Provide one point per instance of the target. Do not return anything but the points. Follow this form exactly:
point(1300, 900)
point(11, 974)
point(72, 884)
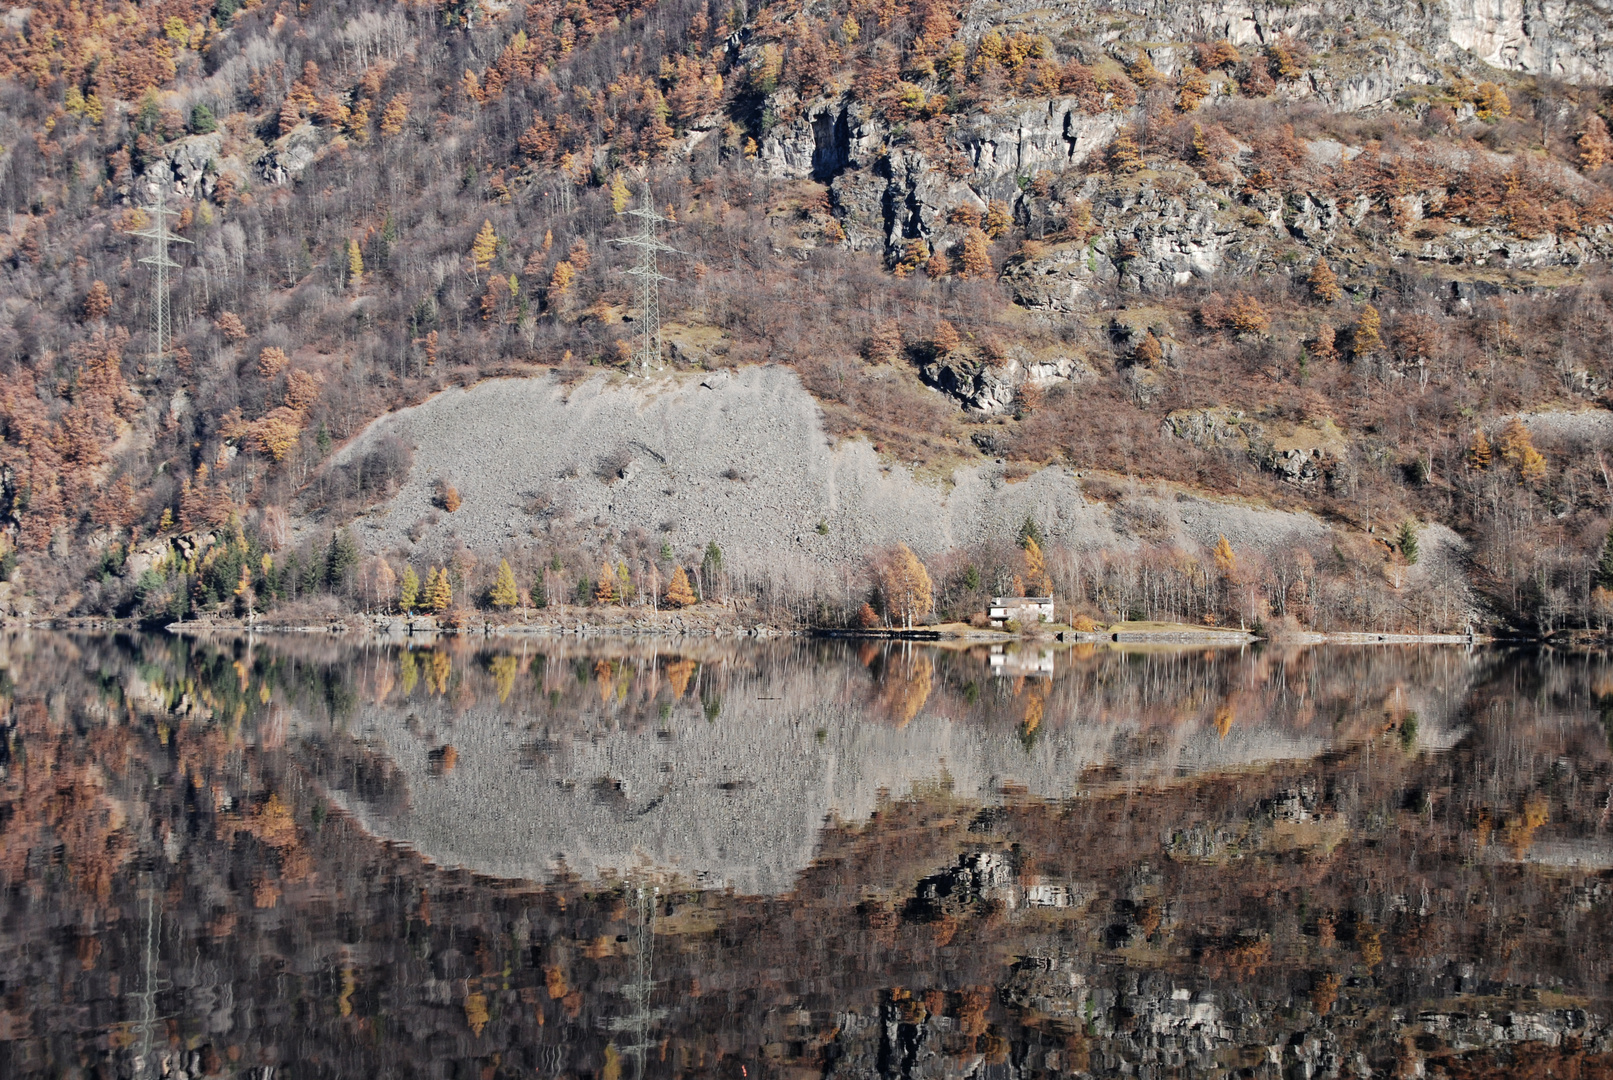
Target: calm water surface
point(605, 861)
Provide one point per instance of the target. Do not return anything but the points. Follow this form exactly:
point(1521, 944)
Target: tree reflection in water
point(302, 858)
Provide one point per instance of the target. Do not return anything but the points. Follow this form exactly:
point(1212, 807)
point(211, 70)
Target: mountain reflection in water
point(301, 858)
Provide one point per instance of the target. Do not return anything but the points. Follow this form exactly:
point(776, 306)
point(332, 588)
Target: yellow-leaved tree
point(505, 594)
point(905, 584)
point(1518, 449)
point(484, 247)
point(619, 194)
point(440, 591)
point(1036, 568)
point(409, 591)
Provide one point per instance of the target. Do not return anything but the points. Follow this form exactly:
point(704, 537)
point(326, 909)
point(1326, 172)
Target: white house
point(1026, 610)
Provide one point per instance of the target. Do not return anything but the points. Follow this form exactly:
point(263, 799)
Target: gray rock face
point(884, 196)
point(991, 389)
point(290, 155)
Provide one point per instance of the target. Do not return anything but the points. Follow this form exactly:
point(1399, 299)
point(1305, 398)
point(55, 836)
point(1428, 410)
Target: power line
point(157, 232)
point(648, 241)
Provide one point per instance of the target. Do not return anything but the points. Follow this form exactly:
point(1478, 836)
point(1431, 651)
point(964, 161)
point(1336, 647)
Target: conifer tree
point(680, 593)
point(1030, 532)
point(1368, 332)
point(505, 594)
point(409, 591)
point(484, 247)
point(976, 260)
point(1225, 560)
point(1324, 283)
point(1478, 451)
point(1148, 352)
point(1408, 542)
point(999, 219)
point(1036, 568)
point(355, 264)
point(441, 591)
point(605, 588)
point(540, 592)
point(619, 194)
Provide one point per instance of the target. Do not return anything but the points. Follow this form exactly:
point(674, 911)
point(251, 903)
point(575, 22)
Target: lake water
point(606, 860)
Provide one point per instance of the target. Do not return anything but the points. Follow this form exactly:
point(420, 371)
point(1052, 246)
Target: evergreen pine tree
point(1030, 531)
point(1408, 543)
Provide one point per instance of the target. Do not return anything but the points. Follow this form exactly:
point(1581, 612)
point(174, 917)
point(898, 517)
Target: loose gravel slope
point(740, 458)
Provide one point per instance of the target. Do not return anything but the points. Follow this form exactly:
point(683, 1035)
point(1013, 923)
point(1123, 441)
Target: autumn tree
point(679, 593)
point(231, 328)
point(409, 590)
point(1595, 146)
point(505, 593)
point(1478, 451)
point(1036, 569)
point(605, 588)
point(999, 219)
point(97, 302)
point(439, 591)
point(1324, 283)
point(1324, 345)
point(272, 361)
point(884, 344)
point(905, 585)
point(1225, 561)
point(1368, 337)
point(484, 247)
point(1148, 352)
point(1518, 450)
point(1247, 316)
point(976, 260)
point(355, 264)
point(620, 195)
point(395, 115)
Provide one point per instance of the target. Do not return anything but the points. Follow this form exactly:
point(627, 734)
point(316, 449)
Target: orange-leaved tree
point(680, 593)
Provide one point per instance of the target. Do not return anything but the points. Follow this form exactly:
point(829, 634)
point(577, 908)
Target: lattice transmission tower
point(649, 242)
point(640, 1016)
point(162, 338)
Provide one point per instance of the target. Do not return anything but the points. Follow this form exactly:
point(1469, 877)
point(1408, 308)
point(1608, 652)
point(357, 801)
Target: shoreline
point(388, 629)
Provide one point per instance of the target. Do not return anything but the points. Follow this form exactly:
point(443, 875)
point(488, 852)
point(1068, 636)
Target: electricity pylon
point(157, 232)
point(640, 1016)
point(648, 241)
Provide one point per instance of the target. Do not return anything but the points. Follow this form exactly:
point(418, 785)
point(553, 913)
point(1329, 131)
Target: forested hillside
point(1339, 257)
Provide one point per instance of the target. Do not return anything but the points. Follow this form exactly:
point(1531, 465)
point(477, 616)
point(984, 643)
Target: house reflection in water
point(1021, 662)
